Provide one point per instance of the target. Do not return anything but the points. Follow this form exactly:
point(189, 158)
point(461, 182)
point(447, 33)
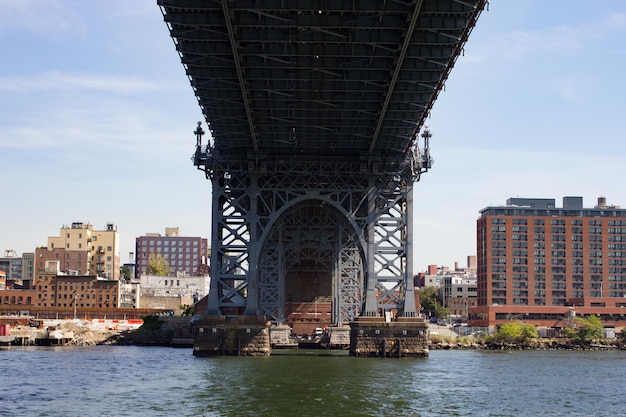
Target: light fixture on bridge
point(227, 177)
point(397, 184)
point(199, 132)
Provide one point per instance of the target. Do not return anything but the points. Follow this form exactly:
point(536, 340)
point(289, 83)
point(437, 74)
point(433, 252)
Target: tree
point(516, 332)
point(430, 304)
point(186, 309)
point(586, 329)
point(125, 272)
point(158, 265)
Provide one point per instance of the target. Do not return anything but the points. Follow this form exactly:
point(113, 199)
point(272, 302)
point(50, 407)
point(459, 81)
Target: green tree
point(441, 311)
point(586, 329)
point(186, 309)
point(529, 332)
point(158, 265)
point(125, 272)
point(516, 332)
point(430, 304)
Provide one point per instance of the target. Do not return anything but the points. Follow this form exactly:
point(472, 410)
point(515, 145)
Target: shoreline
point(537, 344)
point(84, 333)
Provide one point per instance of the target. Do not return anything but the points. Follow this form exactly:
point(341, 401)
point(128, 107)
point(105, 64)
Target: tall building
point(186, 256)
point(82, 249)
point(542, 264)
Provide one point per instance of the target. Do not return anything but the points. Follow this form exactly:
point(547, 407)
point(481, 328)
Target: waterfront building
point(186, 256)
point(130, 294)
point(83, 249)
point(55, 289)
point(20, 299)
point(159, 292)
point(544, 264)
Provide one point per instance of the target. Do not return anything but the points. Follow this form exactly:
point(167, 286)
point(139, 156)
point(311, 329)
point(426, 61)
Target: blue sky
point(97, 120)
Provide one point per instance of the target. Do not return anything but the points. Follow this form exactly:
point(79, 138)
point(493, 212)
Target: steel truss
point(351, 218)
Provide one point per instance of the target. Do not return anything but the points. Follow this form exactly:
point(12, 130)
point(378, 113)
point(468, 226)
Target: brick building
point(69, 260)
point(540, 263)
point(54, 289)
point(186, 256)
point(82, 248)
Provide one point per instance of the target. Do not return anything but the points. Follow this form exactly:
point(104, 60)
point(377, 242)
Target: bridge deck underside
point(341, 78)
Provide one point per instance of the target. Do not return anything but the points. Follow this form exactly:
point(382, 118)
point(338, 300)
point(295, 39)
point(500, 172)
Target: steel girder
point(324, 78)
point(356, 224)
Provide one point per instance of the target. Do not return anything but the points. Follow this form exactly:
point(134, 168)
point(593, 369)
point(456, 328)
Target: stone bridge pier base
point(406, 337)
point(231, 336)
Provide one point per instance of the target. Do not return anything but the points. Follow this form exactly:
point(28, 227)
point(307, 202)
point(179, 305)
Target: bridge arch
point(311, 254)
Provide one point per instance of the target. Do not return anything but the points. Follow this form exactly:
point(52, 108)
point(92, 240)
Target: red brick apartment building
point(187, 256)
point(540, 264)
point(80, 291)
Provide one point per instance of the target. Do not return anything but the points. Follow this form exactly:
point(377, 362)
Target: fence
point(80, 313)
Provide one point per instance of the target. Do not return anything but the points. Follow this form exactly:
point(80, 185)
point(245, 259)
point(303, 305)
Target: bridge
point(316, 111)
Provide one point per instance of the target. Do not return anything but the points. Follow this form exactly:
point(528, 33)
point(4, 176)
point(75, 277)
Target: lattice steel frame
point(251, 201)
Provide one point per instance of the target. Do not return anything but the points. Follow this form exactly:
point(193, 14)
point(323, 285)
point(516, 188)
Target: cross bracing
point(322, 78)
point(314, 109)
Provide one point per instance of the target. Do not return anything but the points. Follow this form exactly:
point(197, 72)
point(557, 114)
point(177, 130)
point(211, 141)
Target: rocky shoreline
point(537, 344)
point(176, 332)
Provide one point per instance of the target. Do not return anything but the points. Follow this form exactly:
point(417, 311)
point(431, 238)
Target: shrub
point(585, 329)
point(516, 332)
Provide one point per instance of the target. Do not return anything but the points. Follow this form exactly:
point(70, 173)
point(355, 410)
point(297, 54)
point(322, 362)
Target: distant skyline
point(97, 119)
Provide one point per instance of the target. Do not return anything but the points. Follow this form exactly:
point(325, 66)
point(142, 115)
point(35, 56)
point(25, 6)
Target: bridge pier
point(407, 337)
point(218, 335)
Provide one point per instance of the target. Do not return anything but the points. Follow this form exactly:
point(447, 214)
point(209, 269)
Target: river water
point(156, 381)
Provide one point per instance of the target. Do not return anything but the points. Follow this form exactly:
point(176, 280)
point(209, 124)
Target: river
point(157, 381)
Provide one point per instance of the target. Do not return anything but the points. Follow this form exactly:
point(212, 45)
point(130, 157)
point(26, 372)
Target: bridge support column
point(231, 336)
point(407, 337)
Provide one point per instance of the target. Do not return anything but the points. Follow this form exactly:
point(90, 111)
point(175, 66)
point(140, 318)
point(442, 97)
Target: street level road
point(442, 330)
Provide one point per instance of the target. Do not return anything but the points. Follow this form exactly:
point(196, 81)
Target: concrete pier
point(231, 336)
point(406, 337)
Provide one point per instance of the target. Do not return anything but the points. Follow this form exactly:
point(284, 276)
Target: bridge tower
point(278, 219)
point(315, 111)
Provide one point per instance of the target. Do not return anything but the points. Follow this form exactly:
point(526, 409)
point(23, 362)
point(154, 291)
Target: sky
point(97, 119)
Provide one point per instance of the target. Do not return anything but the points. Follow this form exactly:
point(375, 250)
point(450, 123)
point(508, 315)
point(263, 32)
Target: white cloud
point(61, 81)
point(549, 41)
point(616, 20)
point(39, 16)
point(574, 87)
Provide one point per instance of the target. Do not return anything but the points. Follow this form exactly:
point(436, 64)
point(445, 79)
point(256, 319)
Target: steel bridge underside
point(315, 110)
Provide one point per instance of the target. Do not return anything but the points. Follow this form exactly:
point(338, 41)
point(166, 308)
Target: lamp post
point(76, 296)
